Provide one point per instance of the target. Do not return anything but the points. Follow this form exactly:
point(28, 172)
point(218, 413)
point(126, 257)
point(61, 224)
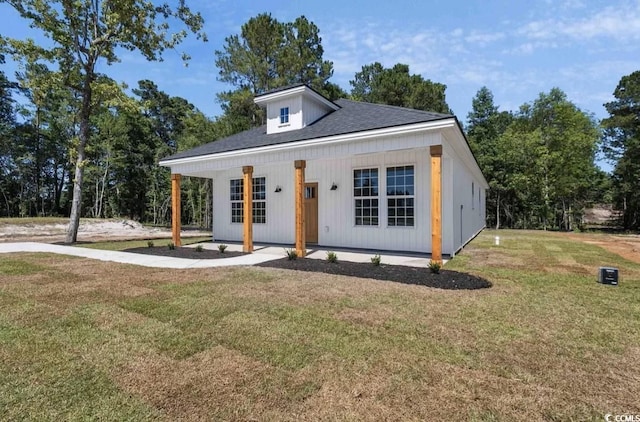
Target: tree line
point(74, 142)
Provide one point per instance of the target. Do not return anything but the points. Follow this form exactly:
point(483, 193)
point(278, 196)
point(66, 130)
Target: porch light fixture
point(334, 186)
point(278, 189)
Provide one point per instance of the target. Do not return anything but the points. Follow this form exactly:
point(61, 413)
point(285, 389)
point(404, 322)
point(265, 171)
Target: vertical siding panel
point(331, 163)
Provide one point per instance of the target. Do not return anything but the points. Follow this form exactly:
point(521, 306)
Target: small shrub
point(150, 244)
point(222, 247)
point(171, 246)
point(435, 266)
point(292, 255)
point(376, 259)
point(332, 257)
point(199, 248)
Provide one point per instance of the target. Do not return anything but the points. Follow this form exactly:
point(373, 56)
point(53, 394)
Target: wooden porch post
point(436, 202)
point(301, 248)
point(175, 209)
point(247, 236)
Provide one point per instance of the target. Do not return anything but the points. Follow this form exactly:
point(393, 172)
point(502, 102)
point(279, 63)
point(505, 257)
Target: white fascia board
point(267, 98)
point(357, 136)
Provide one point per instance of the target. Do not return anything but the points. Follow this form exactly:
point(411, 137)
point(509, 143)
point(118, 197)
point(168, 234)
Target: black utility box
point(608, 275)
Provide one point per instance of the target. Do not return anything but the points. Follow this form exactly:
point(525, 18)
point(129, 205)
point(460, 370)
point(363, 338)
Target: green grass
point(128, 244)
point(81, 339)
point(10, 266)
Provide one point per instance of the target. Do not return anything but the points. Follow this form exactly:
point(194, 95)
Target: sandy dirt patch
point(625, 245)
point(90, 230)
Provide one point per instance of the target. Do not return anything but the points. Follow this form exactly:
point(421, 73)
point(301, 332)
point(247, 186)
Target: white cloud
point(621, 23)
point(509, 56)
point(483, 39)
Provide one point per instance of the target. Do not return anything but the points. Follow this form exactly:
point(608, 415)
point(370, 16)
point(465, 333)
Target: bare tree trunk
point(102, 188)
point(498, 212)
point(6, 201)
point(85, 113)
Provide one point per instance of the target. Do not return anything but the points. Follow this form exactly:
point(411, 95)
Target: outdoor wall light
point(278, 189)
point(334, 186)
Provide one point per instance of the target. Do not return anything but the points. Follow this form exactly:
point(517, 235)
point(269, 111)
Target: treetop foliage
point(268, 54)
point(622, 146)
point(539, 162)
point(397, 86)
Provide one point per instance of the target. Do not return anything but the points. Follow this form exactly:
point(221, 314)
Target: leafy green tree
point(301, 59)
point(7, 112)
point(397, 86)
point(544, 163)
point(485, 125)
point(176, 125)
point(269, 54)
point(622, 146)
point(84, 35)
point(569, 138)
point(7, 122)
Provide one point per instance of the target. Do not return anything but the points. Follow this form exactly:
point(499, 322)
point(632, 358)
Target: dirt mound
point(54, 230)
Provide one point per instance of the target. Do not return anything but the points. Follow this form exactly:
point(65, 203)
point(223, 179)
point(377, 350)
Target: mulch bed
point(182, 252)
point(452, 280)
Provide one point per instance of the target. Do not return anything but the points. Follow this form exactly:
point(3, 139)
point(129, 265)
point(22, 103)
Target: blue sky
point(517, 49)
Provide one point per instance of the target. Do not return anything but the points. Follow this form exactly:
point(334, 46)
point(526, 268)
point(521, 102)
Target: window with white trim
point(365, 192)
point(400, 196)
point(259, 199)
point(237, 206)
point(284, 115)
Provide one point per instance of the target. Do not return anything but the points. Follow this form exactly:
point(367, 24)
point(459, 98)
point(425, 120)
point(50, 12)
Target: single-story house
point(340, 174)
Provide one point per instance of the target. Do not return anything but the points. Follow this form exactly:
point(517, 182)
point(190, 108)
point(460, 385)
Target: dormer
point(293, 107)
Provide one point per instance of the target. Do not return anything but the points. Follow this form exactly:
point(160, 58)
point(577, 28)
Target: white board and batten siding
point(467, 204)
point(336, 209)
point(302, 112)
point(463, 212)
point(325, 150)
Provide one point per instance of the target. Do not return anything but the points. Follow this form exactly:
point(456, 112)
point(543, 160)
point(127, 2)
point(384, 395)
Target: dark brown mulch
point(183, 252)
point(397, 273)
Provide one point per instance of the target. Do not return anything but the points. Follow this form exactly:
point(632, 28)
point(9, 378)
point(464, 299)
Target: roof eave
point(302, 89)
point(347, 137)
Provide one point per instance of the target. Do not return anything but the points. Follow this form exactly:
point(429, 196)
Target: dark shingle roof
point(352, 117)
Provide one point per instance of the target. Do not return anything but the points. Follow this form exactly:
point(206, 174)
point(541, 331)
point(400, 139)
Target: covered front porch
point(289, 206)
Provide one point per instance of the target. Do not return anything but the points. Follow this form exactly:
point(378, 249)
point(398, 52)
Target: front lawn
point(82, 339)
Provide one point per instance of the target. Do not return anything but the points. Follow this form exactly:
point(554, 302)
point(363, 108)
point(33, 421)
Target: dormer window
point(293, 108)
point(284, 115)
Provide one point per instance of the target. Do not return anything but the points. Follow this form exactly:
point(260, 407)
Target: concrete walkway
point(261, 254)
point(313, 252)
point(136, 258)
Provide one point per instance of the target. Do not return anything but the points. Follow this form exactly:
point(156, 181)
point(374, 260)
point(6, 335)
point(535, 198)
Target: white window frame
point(359, 220)
point(284, 115)
point(398, 197)
point(259, 202)
point(236, 191)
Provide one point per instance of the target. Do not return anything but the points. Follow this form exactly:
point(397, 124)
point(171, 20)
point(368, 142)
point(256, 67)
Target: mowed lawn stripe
point(81, 339)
